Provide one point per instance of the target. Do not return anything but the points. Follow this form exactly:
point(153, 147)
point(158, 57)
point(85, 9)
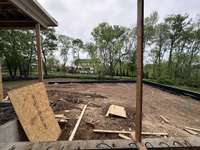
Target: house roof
point(24, 14)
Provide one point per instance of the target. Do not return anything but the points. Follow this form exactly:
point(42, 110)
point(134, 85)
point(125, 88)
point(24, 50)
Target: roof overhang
point(24, 14)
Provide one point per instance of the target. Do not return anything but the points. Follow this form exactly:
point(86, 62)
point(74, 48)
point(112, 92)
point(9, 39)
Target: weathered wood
point(77, 124)
point(116, 111)
point(139, 81)
point(39, 53)
point(34, 113)
point(1, 83)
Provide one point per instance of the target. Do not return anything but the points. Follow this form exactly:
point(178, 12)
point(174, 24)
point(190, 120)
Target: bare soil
point(181, 111)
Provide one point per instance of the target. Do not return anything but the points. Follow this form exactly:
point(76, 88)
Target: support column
point(139, 83)
point(39, 53)
point(1, 83)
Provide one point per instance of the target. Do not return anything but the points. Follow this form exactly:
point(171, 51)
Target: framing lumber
point(194, 129)
point(77, 124)
point(1, 84)
point(139, 82)
point(191, 131)
point(129, 132)
point(39, 53)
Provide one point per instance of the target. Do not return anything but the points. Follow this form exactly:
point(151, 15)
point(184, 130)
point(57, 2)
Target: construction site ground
point(181, 111)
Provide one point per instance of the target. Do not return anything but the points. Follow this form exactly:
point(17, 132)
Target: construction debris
point(34, 113)
point(77, 124)
point(164, 119)
point(116, 111)
point(191, 131)
point(124, 136)
point(129, 132)
point(194, 129)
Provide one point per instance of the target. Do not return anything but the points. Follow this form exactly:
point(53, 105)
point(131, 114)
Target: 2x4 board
point(34, 113)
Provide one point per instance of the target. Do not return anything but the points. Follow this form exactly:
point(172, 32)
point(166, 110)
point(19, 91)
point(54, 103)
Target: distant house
point(85, 66)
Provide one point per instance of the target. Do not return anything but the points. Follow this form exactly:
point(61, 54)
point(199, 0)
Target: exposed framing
point(25, 14)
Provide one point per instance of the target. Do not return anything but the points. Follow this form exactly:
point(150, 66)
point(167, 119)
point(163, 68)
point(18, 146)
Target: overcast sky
point(77, 18)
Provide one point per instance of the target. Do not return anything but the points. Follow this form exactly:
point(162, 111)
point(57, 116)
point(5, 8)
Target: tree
point(49, 46)
point(65, 44)
point(108, 42)
point(177, 24)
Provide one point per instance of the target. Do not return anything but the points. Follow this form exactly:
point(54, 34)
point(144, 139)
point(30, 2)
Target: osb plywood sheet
point(34, 113)
point(117, 111)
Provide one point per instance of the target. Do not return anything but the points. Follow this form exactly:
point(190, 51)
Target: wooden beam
point(17, 24)
point(39, 53)
point(77, 124)
point(1, 83)
point(139, 82)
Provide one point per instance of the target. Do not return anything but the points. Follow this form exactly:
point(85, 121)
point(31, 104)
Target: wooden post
point(1, 83)
point(39, 53)
point(139, 83)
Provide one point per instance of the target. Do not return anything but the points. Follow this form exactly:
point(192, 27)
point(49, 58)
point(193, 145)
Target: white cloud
point(77, 18)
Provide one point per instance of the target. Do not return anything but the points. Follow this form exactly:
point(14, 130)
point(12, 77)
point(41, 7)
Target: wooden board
point(34, 113)
point(129, 132)
point(117, 111)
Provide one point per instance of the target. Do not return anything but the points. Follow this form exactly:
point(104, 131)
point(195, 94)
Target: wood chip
point(116, 111)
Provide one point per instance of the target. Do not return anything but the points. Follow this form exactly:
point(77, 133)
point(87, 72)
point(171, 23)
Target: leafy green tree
point(49, 46)
point(65, 44)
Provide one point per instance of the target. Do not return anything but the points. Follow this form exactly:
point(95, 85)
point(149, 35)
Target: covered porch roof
point(24, 14)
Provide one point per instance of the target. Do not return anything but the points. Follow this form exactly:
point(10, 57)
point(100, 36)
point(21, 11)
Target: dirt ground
point(181, 111)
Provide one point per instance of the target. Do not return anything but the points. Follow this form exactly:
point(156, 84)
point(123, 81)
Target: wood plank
point(116, 111)
point(77, 124)
point(194, 129)
point(124, 136)
point(191, 131)
point(34, 113)
point(129, 132)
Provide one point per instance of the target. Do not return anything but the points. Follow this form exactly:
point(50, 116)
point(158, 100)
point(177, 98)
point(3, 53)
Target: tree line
point(172, 50)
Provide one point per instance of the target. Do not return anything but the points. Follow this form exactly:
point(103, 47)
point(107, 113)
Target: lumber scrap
point(194, 129)
point(164, 119)
point(129, 132)
point(124, 136)
point(116, 111)
point(191, 131)
point(34, 113)
point(77, 124)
